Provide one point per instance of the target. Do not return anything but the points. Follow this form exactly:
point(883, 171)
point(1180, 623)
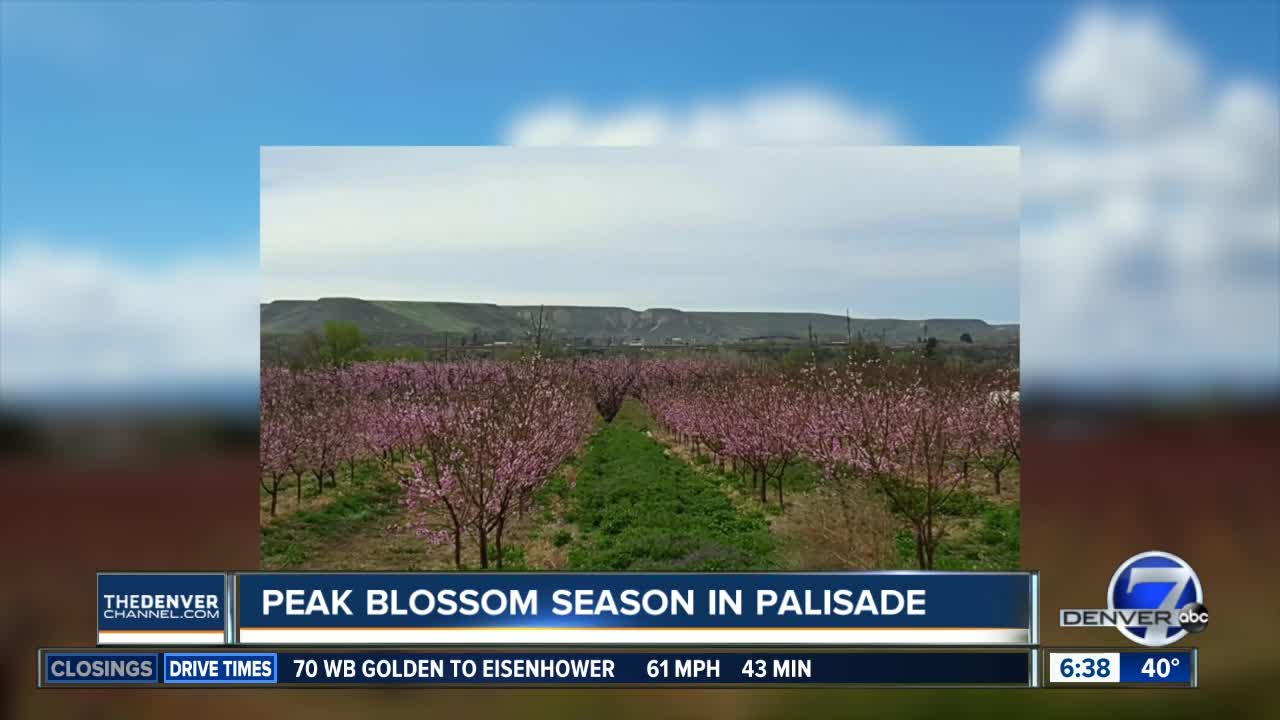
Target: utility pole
point(537, 341)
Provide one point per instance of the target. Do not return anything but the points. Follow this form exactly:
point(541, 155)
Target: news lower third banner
point(993, 667)
point(491, 609)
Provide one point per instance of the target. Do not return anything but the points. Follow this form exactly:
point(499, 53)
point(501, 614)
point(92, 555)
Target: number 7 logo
point(1155, 569)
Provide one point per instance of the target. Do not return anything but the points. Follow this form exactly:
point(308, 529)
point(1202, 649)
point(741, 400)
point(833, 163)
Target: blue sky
point(136, 127)
point(130, 135)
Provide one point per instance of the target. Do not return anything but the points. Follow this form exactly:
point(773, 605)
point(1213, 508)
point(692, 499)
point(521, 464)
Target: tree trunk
point(782, 472)
point(484, 548)
point(498, 540)
point(457, 547)
point(844, 513)
point(928, 541)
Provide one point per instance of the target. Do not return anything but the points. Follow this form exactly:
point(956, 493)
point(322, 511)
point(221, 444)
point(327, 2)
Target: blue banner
point(1161, 667)
point(642, 668)
point(672, 608)
point(220, 668)
point(151, 608)
point(89, 668)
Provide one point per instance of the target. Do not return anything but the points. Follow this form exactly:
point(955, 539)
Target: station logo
point(162, 608)
point(1154, 599)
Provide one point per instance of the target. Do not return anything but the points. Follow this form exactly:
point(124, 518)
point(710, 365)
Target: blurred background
point(1150, 137)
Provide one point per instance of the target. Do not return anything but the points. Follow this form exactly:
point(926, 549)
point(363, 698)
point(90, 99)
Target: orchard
point(471, 445)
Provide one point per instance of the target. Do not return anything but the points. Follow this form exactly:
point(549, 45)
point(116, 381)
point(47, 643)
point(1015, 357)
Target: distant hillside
point(399, 322)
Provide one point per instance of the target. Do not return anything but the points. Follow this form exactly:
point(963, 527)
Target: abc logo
point(1165, 585)
point(1194, 618)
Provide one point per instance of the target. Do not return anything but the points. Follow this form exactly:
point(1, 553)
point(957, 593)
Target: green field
point(638, 507)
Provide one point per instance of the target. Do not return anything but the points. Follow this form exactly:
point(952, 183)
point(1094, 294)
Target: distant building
point(767, 339)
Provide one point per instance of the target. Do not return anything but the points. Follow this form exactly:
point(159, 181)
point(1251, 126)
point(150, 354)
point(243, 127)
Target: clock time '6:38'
point(1084, 667)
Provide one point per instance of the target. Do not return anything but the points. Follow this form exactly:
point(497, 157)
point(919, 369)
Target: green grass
point(355, 503)
point(800, 477)
point(638, 508)
point(633, 415)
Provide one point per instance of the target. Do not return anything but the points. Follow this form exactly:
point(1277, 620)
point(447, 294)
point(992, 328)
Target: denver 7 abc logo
point(1154, 599)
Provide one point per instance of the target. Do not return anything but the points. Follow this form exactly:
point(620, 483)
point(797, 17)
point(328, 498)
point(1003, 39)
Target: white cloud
point(1121, 73)
point(74, 321)
point(782, 116)
point(1150, 244)
point(1151, 230)
point(913, 232)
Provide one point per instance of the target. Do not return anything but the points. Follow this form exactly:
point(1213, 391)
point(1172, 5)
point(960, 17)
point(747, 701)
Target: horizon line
point(631, 309)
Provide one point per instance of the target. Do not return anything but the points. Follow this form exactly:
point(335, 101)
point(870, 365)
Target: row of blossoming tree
point(916, 435)
point(471, 443)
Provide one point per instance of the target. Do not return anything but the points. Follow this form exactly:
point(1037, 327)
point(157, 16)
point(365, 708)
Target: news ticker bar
point(1098, 667)
point(899, 608)
point(196, 667)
